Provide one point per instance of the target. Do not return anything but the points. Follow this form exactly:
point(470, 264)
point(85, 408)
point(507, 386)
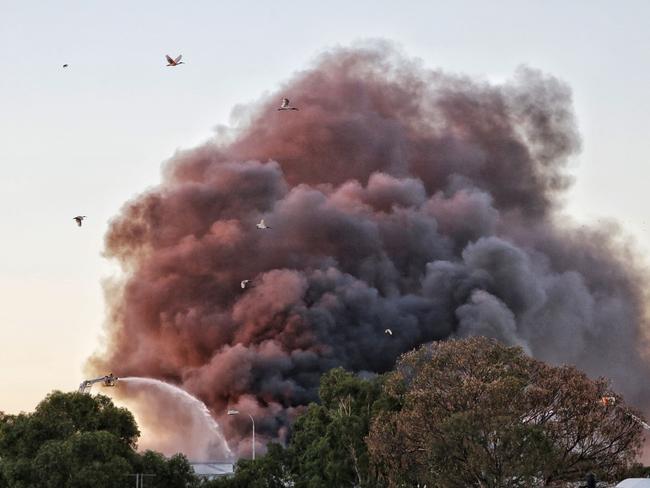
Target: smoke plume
point(398, 197)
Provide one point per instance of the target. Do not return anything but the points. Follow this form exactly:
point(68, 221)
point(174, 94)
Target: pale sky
point(86, 139)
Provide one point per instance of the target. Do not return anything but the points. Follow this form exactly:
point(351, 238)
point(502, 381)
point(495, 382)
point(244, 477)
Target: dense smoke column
point(398, 198)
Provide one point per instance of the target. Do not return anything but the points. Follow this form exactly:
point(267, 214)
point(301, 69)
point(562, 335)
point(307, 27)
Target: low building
point(212, 470)
point(634, 483)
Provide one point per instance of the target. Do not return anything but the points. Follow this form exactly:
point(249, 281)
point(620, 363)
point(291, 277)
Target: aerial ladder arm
point(108, 380)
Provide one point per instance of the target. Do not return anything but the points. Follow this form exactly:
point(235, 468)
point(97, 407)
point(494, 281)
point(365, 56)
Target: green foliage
point(327, 445)
point(75, 440)
point(168, 473)
point(84, 459)
point(326, 448)
point(70, 440)
point(3, 481)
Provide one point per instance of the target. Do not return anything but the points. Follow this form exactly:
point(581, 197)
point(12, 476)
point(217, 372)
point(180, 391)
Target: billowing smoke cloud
point(398, 198)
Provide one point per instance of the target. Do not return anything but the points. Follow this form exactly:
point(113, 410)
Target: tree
point(168, 473)
point(327, 446)
point(3, 481)
point(85, 459)
point(75, 440)
point(475, 413)
point(71, 439)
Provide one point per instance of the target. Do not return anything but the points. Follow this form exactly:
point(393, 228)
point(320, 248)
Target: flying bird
point(174, 62)
point(79, 219)
point(244, 283)
point(262, 225)
point(285, 105)
point(389, 332)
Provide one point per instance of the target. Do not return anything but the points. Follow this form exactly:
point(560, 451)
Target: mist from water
point(172, 420)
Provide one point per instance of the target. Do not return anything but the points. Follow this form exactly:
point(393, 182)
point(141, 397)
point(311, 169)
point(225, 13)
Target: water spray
point(202, 438)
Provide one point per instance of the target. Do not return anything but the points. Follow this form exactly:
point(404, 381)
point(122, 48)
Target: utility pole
point(139, 479)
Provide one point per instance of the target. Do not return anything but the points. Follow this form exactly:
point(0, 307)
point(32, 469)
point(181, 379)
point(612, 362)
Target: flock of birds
point(261, 225)
point(285, 105)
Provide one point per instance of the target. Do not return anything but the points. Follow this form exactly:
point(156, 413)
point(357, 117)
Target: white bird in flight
point(244, 283)
point(389, 332)
point(79, 219)
point(262, 225)
point(174, 62)
point(285, 105)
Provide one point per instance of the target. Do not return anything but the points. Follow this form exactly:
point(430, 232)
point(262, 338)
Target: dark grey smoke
point(398, 198)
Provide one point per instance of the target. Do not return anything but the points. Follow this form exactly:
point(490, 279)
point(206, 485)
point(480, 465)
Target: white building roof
point(213, 470)
point(634, 483)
